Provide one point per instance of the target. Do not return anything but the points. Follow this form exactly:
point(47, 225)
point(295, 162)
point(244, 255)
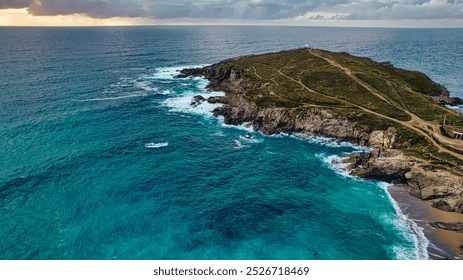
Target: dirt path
point(416, 124)
point(260, 77)
point(430, 130)
point(351, 75)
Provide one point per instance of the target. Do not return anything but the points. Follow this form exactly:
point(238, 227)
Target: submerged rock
point(197, 100)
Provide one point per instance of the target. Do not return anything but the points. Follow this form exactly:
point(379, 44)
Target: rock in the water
point(216, 99)
point(197, 100)
point(445, 99)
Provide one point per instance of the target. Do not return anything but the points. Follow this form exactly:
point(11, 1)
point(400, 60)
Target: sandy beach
point(445, 244)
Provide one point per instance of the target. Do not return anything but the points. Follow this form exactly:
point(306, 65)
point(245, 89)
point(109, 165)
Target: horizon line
point(231, 25)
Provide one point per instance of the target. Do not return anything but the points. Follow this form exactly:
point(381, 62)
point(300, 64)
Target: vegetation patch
point(371, 95)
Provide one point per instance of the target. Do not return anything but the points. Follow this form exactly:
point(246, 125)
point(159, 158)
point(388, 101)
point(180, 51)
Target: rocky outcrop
point(424, 180)
point(441, 186)
point(216, 99)
point(220, 79)
point(428, 182)
point(238, 110)
point(197, 100)
point(380, 138)
point(445, 99)
point(380, 164)
point(458, 227)
point(313, 121)
point(385, 162)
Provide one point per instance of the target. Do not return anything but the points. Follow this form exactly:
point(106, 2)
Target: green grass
point(281, 80)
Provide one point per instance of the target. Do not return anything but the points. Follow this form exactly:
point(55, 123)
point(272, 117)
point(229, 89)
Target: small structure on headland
point(455, 132)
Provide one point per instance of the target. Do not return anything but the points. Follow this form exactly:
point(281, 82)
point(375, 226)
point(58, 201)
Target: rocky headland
point(398, 113)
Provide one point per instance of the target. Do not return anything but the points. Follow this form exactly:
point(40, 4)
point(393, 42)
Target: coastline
point(444, 244)
point(385, 162)
point(439, 248)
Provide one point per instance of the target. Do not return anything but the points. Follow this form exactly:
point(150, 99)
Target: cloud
point(91, 8)
point(168, 9)
point(296, 10)
point(402, 9)
point(14, 4)
point(321, 16)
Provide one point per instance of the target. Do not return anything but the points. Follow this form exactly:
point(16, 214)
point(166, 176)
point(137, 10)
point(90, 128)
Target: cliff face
point(238, 110)
point(425, 181)
point(312, 121)
point(384, 163)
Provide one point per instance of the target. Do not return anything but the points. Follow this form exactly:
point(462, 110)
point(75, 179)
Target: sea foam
point(406, 225)
point(145, 85)
point(197, 86)
point(114, 98)
point(329, 142)
point(336, 163)
point(184, 93)
point(156, 145)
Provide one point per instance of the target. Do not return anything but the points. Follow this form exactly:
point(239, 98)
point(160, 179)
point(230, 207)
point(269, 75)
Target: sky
point(394, 13)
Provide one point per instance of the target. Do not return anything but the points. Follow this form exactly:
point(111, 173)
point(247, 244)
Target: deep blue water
point(103, 158)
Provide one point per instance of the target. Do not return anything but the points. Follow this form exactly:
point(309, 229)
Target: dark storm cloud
point(14, 4)
point(165, 9)
point(92, 8)
point(246, 9)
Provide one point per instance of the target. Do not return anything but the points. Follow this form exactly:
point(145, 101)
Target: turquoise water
point(103, 157)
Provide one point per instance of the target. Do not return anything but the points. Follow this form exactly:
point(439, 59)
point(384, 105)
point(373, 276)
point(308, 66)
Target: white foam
point(407, 226)
point(145, 85)
point(279, 135)
point(124, 82)
point(181, 99)
point(245, 126)
point(329, 142)
point(336, 163)
point(251, 139)
point(458, 108)
point(156, 145)
point(219, 134)
point(165, 92)
point(411, 231)
point(182, 104)
point(239, 145)
point(114, 98)
point(168, 73)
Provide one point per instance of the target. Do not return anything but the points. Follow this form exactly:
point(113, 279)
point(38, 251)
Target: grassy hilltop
point(371, 95)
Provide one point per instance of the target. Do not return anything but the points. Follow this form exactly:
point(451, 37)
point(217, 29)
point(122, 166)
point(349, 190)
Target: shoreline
point(414, 210)
point(444, 244)
point(383, 164)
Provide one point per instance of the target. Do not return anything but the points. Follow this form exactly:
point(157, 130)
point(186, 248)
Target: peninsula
point(401, 114)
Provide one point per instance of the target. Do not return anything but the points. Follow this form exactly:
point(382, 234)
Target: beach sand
point(444, 244)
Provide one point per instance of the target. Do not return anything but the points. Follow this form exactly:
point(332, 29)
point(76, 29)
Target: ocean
point(102, 156)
